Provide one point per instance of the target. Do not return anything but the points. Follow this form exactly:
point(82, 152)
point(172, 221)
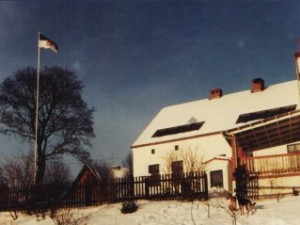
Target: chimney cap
point(216, 93)
point(258, 84)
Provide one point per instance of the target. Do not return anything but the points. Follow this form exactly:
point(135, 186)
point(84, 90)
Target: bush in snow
point(69, 217)
point(129, 207)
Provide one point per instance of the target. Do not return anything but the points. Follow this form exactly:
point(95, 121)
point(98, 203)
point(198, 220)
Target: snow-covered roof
point(219, 114)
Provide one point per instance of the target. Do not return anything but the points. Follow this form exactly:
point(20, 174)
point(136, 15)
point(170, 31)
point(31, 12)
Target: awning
point(271, 132)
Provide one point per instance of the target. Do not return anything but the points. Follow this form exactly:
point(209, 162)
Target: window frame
point(154, 178)
point(216, 178)
point(177, 168)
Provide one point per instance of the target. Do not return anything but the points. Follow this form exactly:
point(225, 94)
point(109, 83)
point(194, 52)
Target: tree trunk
point(41, 168)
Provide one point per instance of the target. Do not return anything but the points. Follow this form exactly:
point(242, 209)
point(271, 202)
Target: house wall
point(205, 148)
point(282, 149)
point(216, 165)
point(85, 177)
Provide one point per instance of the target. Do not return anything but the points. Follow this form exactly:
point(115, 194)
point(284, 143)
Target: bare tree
point(65, 122)
point(18, 170)
point(128, 163)
point(3, 181)
point(57, 173)
point(104, 170)
point(192, 160)
point(168, 158)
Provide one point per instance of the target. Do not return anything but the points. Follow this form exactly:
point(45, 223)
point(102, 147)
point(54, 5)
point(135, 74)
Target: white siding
point(282, 149)
point(207, 147)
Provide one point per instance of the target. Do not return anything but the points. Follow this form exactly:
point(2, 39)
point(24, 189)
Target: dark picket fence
point(162, 187)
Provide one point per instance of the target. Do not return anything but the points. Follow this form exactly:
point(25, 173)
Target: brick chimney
point(258, 84)
point(215, 93)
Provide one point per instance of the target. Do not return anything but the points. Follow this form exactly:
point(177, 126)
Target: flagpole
point(37, 111)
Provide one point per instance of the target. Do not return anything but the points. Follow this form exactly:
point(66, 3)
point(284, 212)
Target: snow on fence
point(162, 187)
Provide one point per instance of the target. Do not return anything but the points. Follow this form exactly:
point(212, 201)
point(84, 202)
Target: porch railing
point(272, 165)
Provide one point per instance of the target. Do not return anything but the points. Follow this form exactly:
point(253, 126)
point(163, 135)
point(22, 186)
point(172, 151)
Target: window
point(178, 129)
point(265, 114)
point(154, 171)
point(216, 178)
point(152, 151)
point(293, 148)
point(176, 147)
point(177, 168)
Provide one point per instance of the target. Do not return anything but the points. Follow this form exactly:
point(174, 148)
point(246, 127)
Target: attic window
point(265, 114)
point(178, 129)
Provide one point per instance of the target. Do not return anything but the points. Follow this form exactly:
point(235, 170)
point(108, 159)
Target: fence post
point(147, 187)
point(4, 193)
point(241, 178)
point(205, 186)
point(131, 187)
point(88, 193)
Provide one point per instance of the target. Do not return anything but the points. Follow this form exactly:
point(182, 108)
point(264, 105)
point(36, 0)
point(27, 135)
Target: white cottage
point(257, 129)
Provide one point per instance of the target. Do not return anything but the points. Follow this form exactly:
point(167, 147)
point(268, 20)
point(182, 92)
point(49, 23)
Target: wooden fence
point(163, 187)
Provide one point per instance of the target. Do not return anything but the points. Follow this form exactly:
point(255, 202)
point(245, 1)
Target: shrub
point(129, 207)
point(69, 217)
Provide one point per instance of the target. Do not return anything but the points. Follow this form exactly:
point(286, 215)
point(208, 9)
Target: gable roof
point(86, 173)
point(218, 115)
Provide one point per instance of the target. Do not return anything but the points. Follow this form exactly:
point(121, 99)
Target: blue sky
point(135, 57)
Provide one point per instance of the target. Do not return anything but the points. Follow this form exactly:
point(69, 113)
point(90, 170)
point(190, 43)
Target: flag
point(45, 42)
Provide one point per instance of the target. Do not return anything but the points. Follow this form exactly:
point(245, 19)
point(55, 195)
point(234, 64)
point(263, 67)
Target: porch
point(272, 166)
point(273, 173)
point(275, 131)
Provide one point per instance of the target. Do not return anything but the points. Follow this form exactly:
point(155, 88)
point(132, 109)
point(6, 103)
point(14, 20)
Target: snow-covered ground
point(268, 212)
